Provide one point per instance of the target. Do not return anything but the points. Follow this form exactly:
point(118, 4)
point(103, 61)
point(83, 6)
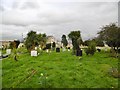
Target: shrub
point(113, 53)
point(14, 44)
point(91, 48)
point(114, 72)
point(53, 45)
point(22, 50)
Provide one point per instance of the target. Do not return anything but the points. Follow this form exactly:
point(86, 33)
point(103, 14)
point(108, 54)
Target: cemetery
point(37, 64)
point(66, 44)
point(60, 69)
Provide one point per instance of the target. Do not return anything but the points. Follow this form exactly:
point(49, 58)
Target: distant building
point(5, 43)
point(50, 39)
point(70, 45)
point(58, 44)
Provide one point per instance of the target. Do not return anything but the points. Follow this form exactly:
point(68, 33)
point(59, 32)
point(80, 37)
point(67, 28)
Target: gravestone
point(68, 49)
point(8, 51)
point(5, 55)
point(98, 50)
point(35, 48)
point(79, 52)
point(33, 53)
point(57, 49)
point(0, 53)
point(47, 50)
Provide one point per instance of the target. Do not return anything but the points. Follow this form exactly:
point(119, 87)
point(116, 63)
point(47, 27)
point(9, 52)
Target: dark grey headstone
point(98, 50)
point(79, 53)
point(57, 49)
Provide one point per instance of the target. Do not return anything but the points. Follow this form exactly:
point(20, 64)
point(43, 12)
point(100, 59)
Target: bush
point(91, 48)
point(114, 72)
point(22, 50)
point(113, 53)
point(53, 45)
point(14, 44)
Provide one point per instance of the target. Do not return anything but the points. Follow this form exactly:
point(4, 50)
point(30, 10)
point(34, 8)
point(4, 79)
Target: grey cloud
point(58, 18)
point(30, 5)
point(25, 4)
point(1, 8)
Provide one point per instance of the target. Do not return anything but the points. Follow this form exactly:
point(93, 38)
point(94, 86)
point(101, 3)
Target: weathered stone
point(33, 53)
point(8, 51)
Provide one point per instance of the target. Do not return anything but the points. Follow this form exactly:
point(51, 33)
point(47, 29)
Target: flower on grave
point(41, 74)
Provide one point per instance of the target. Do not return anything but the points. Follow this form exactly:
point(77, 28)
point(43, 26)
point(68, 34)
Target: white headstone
point(47, 50)
point(35, 48)
point(33, 53)
point(0, 53)
point(8, 51)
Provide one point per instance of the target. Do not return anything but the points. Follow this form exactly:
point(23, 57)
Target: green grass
point(60, 70)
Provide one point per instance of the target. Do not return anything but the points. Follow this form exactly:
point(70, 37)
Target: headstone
point(98, 50)
point(57, 49)
point(0, 53)
point(35, 48)
point(4, 56)
point(68, 49)
point(79, 53)
point(47, 50)
point(8, 51)
point(33, 53)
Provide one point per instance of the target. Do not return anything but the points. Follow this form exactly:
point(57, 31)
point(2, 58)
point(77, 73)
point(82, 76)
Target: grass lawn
point(59, 70)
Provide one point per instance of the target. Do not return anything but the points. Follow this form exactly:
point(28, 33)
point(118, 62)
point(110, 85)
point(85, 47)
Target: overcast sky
point(55, 17)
